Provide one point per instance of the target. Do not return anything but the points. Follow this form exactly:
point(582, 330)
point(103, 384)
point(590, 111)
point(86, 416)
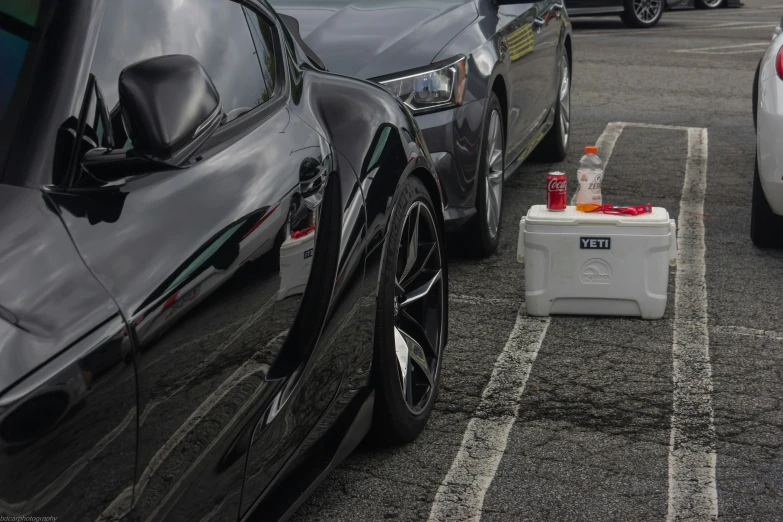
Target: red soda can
point(556, 191)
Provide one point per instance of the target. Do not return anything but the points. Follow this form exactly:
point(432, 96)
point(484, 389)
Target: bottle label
point(589, 188)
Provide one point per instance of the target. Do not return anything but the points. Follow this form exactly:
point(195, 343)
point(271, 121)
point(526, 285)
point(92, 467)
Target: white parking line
point(693, 494)
point(746, 51)
point(675, 31)
point(483, 301)
point(721, 49)
point(749, 332)
point(460, 496)
point(605, 144)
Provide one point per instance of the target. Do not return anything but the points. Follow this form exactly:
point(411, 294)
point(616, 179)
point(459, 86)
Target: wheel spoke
point(403, 360)
point(416, 271)
point(487, 191)
point(493, 137)
point(411, 328)
point(418, 358)
point(495, 170)
point(493, 212)
point(413, 243)
point(420, 291)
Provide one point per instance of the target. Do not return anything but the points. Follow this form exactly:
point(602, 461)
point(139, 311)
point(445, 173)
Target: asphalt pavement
point(578, 418)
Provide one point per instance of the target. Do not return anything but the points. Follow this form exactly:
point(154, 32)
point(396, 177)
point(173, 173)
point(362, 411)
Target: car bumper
point(768, 135)
point(453, 138)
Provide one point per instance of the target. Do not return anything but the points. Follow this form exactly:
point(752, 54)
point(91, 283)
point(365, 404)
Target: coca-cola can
point(556, 191)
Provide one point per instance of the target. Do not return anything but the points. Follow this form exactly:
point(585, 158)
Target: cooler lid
point(539, 215)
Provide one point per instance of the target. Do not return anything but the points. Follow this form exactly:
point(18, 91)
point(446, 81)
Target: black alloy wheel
point(412, 317)
point(642, 14)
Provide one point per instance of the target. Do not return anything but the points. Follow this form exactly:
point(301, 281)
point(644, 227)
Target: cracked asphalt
point(591, 440)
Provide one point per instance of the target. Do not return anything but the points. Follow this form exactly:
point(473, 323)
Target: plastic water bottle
point(589, 177)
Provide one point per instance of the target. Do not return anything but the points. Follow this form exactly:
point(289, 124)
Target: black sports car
point(639, 13)
point(488, 82)
point(220, 266)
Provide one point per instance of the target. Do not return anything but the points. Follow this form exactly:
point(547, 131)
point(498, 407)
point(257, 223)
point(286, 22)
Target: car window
point(17, 22)
point(263, 36)
point(215, 32)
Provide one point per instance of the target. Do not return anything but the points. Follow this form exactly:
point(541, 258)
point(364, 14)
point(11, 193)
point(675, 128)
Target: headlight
point(434, 89)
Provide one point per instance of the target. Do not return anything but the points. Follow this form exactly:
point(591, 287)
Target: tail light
point(779, 63)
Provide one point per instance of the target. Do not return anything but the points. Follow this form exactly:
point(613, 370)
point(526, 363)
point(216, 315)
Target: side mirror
point(169, 107)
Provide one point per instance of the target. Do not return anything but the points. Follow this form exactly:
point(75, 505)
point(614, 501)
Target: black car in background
point(488, 81)
point(639, 13)
point(220, 266)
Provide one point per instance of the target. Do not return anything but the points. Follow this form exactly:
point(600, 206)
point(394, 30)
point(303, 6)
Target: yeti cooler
point(596, 264)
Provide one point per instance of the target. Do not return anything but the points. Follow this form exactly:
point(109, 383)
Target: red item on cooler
point(631, 211)
point(556, 191)
point(296, 234)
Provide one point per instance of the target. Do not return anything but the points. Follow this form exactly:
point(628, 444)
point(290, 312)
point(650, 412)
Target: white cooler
point(596, 264)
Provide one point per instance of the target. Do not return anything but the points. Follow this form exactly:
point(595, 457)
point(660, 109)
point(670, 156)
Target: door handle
point(558, 6)
point(538, 22)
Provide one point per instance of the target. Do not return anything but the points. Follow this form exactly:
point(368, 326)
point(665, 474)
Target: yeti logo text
point(597, 243)
point(596, 271)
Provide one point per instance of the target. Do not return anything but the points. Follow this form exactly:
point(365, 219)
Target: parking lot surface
point(575, 418)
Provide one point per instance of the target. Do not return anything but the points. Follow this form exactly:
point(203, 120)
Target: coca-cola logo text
point(556, 185)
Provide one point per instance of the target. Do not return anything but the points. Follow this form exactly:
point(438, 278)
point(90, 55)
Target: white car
point(766, 221)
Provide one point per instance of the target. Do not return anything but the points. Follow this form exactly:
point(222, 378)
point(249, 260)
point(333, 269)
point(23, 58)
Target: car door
point(210, 263)
point(527, 38)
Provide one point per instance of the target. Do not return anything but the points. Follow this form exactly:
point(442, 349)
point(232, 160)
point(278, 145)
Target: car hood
point(371, 38)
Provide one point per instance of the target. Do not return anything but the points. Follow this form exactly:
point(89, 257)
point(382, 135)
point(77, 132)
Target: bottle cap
point(591, 150)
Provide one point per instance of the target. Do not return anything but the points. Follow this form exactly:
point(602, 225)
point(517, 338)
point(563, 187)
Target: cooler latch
point(521, 241)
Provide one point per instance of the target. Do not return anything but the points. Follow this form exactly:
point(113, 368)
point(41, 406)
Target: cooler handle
point(521, 241)
point(673, 243)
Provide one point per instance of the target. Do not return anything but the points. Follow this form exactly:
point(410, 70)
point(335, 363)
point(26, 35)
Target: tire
point(766, 227)
point(481, 235)
point(642, 19)
point(755, 96)
point(709, 4)
point(412, 335)
point(554, 147)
